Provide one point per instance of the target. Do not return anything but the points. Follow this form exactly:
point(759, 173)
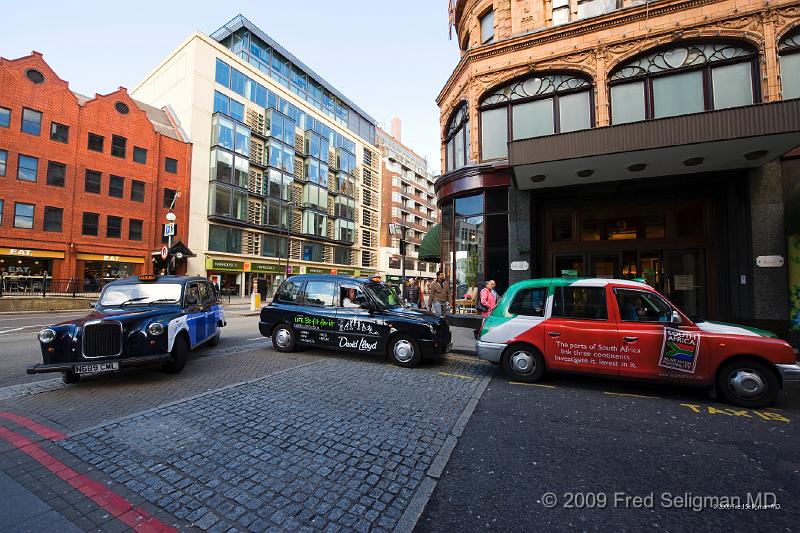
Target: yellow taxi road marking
point(631, 395)
point(736, 412)
point(533, 384)
point(460, 376)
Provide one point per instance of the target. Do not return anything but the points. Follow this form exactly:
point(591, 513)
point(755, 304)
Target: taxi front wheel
point(747, 383)
point(523, 363)
point(283, 338)
point(403, 351)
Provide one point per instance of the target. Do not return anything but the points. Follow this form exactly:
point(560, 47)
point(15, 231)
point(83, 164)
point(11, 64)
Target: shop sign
point(394, 278)
point(109, 258)
point(769, 261)
point(684, 282)
point(519, 265)
point(264, 267)
point(221, 264)
point(316, 270)
point(24, 252)
point(571, 273)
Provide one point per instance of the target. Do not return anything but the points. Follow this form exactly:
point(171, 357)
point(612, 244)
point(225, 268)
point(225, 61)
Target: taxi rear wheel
point(404, 351)
point(178, 356)
point(747, 383)
point(522, 362)
point(214, 341)
point(283, 338)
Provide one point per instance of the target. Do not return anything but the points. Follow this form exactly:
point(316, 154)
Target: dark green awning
point(429, 248)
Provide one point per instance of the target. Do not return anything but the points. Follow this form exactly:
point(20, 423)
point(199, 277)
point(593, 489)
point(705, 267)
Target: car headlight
point(47, 335)
point(155, 329)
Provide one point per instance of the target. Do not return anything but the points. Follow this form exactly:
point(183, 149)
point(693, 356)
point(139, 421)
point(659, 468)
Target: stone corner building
point(630, 139)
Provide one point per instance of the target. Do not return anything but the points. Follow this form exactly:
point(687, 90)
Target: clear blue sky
point(391, 58)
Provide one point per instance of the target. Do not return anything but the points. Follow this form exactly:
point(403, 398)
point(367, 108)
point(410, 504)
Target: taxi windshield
point(140, 294)
point(385, 296)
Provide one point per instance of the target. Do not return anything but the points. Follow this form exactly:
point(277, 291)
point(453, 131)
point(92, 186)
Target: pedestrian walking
point(439, 294)
point(414, 294)
point(488, 298)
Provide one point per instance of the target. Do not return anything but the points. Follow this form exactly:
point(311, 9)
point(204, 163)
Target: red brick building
point(86, 182)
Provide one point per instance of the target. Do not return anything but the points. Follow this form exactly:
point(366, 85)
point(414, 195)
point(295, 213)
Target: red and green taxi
point(626, 329)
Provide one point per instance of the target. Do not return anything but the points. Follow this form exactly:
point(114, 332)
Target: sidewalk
point(27, 512)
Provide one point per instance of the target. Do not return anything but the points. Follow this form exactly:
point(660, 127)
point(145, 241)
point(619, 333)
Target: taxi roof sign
point(376, 279)
point(147, 277)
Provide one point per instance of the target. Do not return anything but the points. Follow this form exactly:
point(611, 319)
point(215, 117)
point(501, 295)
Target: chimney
point(396, 128)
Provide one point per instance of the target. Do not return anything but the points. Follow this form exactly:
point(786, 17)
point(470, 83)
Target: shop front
point(104, 268)
point(30, 262)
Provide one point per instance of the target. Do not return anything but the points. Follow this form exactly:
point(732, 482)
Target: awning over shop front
point(742, 137)
point(430, 247)
point(26, 252)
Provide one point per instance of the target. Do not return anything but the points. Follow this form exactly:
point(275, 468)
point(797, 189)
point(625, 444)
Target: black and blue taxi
point(142, 320)
point(360, 315)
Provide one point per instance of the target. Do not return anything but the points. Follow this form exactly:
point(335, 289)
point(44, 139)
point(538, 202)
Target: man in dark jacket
point(414, 294)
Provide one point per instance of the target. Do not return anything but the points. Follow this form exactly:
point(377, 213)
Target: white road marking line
point(533, 384)
point(48, 314)
point(256, 338)
point(631, 395)
point(24, 327)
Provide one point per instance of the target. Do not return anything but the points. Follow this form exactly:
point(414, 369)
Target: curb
point(416, 506)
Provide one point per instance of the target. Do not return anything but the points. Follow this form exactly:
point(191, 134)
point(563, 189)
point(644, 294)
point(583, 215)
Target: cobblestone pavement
point(341, 443)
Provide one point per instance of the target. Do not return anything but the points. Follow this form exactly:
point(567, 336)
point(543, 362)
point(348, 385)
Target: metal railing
point(11, 285)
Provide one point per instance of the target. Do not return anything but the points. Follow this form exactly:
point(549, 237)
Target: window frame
point(86, 181)
point(452, 131)
point(651, 294)
point(32, 217)
point(6, 111)
point(4, 168)
point(119, 149)
point(97, 224)
point(54, 128)
point(134, 185)
point(167, 165)
point(93, 138)
point(111, 187)
point(19, 167)
point(706, 68)
point(137, 151)
point(521, 293)
point(555, 95)
point(788, 45)
point(51, 209)
point(491, 38)
point(23, 122)
point(115, 218)
point(52, 165)
point(304, 293)
point(131, 236)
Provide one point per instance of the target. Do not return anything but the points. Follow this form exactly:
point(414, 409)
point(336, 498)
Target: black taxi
point(354, 315)
point(142, 320)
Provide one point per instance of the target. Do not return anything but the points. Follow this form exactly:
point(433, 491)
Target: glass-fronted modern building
point(285, 174)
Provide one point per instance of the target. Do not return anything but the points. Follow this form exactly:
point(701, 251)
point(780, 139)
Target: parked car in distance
point(354, 315)
point(141, 320)
point(626, 329)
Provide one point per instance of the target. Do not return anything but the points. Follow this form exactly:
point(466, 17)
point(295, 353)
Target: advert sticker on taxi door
point(679, 351)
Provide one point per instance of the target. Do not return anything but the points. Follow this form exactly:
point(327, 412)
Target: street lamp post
point(394, 229)
point(170, 220)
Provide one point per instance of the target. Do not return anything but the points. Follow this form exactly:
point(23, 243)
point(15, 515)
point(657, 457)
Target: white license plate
point(96, 367)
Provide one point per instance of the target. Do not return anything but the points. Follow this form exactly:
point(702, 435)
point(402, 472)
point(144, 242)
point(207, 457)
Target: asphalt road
point(19, 345)
point(595, 445)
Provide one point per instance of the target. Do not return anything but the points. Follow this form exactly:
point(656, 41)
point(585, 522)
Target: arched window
point(457, 139)
point(532, 107)
point(789, 50)
point(683, 79)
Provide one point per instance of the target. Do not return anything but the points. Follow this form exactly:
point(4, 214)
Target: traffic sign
point(164, 253)
point(169, 230)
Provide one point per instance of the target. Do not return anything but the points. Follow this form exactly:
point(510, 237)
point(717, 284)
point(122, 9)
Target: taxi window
point(351, 296)
point(289, 292)
point(319, 293)
point(642, 306)
point(529, 302)
point(192, 295)
point(205, 294)
point(587, 303)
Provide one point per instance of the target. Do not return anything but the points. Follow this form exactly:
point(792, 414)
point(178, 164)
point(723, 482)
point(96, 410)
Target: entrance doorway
point(664, 243)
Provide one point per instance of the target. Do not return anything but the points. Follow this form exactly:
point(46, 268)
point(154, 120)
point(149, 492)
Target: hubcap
point(403, 351)
point(522, 363)
point(282, 337)
point(747, 383)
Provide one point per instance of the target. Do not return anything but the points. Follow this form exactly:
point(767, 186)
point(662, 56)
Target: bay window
point(457, 139)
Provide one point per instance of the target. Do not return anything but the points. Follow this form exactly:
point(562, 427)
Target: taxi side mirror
point(676, 318)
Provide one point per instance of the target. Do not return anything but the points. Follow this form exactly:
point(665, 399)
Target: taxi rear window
point(529, 302)
point(580, 302)
point(289, 292)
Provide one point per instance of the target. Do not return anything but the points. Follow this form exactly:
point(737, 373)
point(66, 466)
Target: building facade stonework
point(573, 80)
point(87, 182)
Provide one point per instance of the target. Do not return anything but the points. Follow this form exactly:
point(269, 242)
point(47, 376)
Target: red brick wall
point(57, 104)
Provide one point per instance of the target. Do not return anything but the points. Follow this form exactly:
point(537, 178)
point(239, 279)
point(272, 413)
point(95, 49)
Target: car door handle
point(554, 334)
point(630, 339)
